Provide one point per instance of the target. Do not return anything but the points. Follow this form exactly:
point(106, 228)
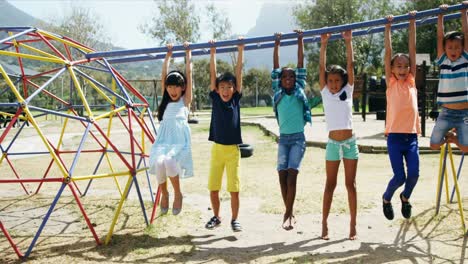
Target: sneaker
point(388, 210)
point(405, 208)
point(236, 226)
point(214, 222)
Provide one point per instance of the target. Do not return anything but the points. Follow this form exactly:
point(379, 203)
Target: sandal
point(214, 222)
point(236, 226)
point(164, 210)
point(176, 211)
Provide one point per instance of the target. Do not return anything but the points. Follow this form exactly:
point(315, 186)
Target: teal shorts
point(346, 149)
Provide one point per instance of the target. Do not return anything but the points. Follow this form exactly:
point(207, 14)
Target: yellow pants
point(224, 156)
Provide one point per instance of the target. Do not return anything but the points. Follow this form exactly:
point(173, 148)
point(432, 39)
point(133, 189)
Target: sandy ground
point(425, 238)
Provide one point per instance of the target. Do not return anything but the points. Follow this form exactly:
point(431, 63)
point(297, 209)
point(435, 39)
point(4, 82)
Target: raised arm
point(412, 43)
point(323, 60)
point(188, 74)
point(212, 65)
point(276, 50)
point(440, 32)
point(165, 68)
point(465, 25)
point(300, 48)
point(240, 62)
point(348, 37)
point(388, 49)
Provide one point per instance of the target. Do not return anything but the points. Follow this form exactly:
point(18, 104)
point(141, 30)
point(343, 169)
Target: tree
point(426, 36)
point(176, 21)
point(338, 12)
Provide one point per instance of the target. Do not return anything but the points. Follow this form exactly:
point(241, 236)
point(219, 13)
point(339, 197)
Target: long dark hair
point(172, 78)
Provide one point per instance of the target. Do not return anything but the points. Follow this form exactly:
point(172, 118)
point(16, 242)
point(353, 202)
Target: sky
point(121, 18)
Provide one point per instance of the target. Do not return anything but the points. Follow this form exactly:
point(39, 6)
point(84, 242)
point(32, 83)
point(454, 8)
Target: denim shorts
point(448, 119)
point(337, 150)
point(291, 148)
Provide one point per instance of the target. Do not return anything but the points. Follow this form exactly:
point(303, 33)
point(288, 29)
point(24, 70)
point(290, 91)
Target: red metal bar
point(49, 93)
point(12, 243)
point(44, 73)
point(129, 86)
point(16, 174)
point(128, 130)
point(70, 57)
point(91, 132)
point(51, 46)
point(85, 215)
point(23, 80)
point(143, 127)
point(132, 139)
point(113, 147)
point(45, 175)
point(83, 61)
point(10, 125)
point(155, 205)
point(23, 41)
point(77, 43)
point(32, 180)
point(83, 151)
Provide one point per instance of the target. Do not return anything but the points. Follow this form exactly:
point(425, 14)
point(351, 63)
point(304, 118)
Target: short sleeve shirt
point(225, 126)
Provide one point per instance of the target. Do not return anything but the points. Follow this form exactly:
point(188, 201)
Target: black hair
point(397, 56)
point(226, 77)
point(454, 35)
point(176, 78)
point(285, 69)
point(337, 69)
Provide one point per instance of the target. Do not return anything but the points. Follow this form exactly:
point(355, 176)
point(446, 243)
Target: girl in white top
point(336, 86)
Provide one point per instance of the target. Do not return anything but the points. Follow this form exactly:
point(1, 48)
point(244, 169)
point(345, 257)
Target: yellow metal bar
point(12, 115)
point(439, 179)
point(59, 144)
point(69, 43)
point(32, 57)
point(2, 158)
point(110, 113)
point(99, 176)
point(38, 51)
point(112, 170)
point(80, 92)
point(51, 150)
point(99, 91)
point(119, 208)
point(12, 86)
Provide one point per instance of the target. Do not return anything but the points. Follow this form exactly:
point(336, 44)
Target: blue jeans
point(448, 119)
point(291, 148)
point(401, 146)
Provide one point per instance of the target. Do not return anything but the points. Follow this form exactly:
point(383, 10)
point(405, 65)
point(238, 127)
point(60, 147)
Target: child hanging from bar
point(225, 132)
point(452, 94)
point(171, 154)
point(402, 122)
point(336, 86)
point(292, 113)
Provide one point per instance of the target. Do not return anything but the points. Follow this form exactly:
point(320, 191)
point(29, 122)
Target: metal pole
point(256, 92)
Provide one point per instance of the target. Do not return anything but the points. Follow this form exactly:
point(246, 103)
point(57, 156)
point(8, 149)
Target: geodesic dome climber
point(44, 75)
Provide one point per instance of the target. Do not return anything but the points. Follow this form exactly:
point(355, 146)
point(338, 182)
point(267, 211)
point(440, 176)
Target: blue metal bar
point(129, 99)
point(17, 35)
point(45, 84)
point(147, 178)
point(458, 176)
point(444, 164)
point(100, 85)
point(80, 147)
point(271, 38)
point(16, 135)
point(14, 28)
point(140, 198)
point(94, 172)
point(58, 113)
point(46, 217)
point(9, 104)
point(92, 68)
point(6, 47)
point(283, 43)
point(8, 88)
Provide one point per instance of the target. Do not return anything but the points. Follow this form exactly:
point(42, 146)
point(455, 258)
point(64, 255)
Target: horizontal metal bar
point(308, 33)
point(283, 43)
point(58, 113)
point(17, 35)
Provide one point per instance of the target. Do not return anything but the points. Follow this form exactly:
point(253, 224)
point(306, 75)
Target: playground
point(426, 238)
point(74, 184)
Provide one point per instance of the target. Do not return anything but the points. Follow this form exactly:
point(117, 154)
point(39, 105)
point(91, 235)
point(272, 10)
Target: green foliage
point(426, 36)
point(175, 21)
point(323, 13)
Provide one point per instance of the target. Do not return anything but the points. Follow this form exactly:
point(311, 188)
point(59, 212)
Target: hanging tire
point(246, 150)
